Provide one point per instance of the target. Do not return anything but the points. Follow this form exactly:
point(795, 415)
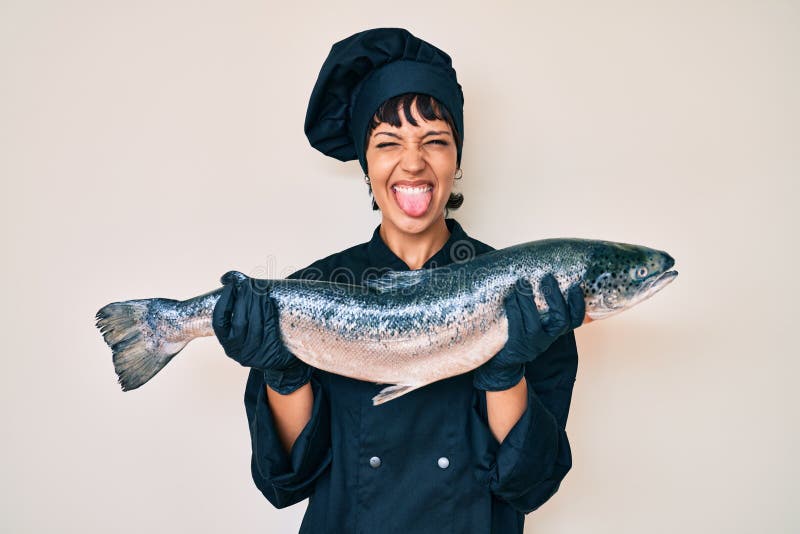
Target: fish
point(405, 329)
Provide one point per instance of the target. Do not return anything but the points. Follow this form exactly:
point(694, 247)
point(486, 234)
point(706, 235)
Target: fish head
point(622, 275)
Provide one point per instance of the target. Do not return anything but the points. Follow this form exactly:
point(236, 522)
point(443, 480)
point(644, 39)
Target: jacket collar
point(456, 246)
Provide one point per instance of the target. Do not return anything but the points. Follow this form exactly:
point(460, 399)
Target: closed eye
point(434, 141)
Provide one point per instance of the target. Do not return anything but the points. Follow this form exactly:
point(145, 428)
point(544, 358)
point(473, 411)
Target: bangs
point(427, 106)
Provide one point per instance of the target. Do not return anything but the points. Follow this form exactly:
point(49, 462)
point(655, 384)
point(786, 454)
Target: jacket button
point(375, 462)
point(443, 462)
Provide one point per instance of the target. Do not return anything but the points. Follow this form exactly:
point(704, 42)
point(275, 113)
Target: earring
point(459, 174)
point(366, 179)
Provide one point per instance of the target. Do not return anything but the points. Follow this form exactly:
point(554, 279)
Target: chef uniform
point(427, 461)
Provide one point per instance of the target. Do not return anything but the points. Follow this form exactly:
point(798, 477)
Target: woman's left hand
point(529, 333)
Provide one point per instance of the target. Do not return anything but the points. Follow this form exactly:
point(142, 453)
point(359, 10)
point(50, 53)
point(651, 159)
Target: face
point(411, 170)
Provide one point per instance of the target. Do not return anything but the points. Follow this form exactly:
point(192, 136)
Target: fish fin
point(137, 358)
point(396, 280)
point(392, 392)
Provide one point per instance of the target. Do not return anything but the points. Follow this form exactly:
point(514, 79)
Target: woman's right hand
point(245, 321)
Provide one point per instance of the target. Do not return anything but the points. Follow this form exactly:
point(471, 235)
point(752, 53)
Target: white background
point(148, 147)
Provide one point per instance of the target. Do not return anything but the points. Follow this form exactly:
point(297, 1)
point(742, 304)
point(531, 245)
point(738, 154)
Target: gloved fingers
point(260, 286)
point(232, 277)
point(524, 287)
point(223, 309)
point(273, 344)
point(577, 306)
point(511, 304)
point(515, 324)
point(557, 318)
point(252, 336)
point(221, 314)
point(241, 306)
point(529, 313)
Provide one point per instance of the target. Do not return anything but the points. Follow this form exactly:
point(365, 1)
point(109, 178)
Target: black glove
point(245, 321)
point(529, 334)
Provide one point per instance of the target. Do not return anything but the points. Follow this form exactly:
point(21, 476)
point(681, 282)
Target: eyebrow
point(430, 132)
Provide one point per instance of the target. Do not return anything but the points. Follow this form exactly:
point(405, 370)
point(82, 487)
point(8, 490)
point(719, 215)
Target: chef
point(470, 454)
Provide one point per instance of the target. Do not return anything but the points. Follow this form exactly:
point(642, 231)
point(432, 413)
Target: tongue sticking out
point(414, 202)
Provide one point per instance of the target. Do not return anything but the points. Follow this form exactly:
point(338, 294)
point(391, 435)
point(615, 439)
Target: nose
point(413, 162)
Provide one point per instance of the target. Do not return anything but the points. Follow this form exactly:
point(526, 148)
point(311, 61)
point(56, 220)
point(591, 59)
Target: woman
point(472, 453)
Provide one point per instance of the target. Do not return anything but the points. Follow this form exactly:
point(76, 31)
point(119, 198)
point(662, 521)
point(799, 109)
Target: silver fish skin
point(406, 329)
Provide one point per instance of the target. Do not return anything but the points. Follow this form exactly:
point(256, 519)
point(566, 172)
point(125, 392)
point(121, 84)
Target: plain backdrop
point(148, 147)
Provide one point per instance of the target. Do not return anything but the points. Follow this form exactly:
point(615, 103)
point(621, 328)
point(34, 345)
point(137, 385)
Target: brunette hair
point(430, 109)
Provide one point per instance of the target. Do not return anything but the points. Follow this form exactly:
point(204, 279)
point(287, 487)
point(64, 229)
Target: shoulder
point(468, 248)
point(478, 247)
point(350, 259)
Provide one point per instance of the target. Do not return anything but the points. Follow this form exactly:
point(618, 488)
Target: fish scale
point(406, 328)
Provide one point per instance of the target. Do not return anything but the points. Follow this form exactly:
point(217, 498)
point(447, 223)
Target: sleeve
point(286, 479)
point(535, 456)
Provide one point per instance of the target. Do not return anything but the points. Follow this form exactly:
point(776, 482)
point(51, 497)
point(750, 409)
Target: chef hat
point(363, 71)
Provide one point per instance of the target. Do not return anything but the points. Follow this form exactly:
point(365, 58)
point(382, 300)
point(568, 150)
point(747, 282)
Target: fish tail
point(138, 352)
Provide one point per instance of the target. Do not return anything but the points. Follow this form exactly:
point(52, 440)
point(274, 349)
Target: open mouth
point(649, 287)
point(413, 199)
point(653, 285)
point(657, 283)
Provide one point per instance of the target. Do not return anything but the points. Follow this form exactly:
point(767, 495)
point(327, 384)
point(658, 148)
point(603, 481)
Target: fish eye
point(639, 272)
